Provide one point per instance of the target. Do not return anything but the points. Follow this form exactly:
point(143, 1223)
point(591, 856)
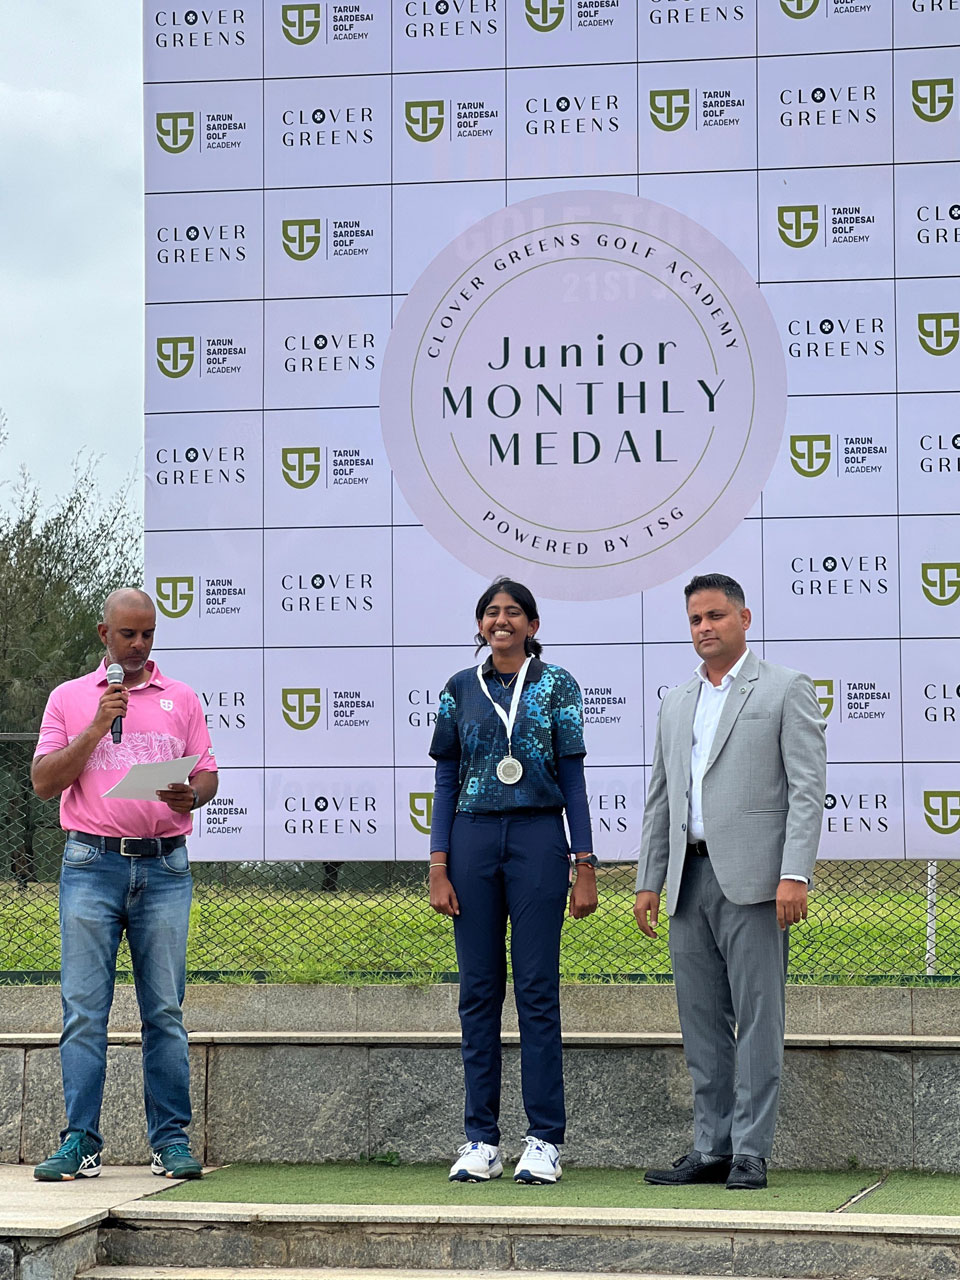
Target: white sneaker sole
point(463, 1175)
point(526, 1178)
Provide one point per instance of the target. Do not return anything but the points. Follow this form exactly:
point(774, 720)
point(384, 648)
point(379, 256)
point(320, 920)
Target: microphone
point(115, 676)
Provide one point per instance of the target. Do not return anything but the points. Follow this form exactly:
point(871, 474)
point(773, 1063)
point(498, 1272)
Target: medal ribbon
point(508, 721)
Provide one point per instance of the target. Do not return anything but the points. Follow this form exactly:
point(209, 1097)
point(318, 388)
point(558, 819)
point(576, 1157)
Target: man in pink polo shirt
point(125, 867)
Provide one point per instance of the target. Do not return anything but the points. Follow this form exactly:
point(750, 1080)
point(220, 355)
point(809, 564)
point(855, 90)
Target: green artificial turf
point(909, 1192)
point(375, 1183)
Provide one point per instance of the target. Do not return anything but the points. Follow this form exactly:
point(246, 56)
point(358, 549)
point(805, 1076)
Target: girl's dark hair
point(524, 598)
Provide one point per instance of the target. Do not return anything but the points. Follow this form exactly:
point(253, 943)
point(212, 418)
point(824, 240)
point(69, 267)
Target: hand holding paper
point(143, 781)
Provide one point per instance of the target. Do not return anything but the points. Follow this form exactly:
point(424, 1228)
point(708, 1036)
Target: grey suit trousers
point(729, 964)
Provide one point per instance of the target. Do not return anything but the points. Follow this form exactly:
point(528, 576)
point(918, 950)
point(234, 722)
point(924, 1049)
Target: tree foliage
point(59, 559)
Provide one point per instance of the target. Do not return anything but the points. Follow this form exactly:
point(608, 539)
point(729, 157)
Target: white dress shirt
point(710, 702)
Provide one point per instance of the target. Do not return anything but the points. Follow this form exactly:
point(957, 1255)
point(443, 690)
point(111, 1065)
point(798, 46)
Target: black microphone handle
point(116, 729)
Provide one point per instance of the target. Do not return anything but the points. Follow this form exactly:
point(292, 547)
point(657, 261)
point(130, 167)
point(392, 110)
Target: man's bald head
point(129, 621)
point(125, 597)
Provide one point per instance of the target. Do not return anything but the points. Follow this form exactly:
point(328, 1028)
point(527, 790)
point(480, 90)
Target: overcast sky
point(71, 255)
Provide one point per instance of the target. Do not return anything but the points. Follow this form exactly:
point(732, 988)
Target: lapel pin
point(743, 689)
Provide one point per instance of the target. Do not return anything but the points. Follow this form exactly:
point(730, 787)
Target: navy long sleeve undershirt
point(572, 782)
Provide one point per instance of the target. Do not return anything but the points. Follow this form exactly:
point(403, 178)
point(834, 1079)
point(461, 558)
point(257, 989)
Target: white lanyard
point(508, 721)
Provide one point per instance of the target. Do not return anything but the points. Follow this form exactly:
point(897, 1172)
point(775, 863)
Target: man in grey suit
point(732, 823)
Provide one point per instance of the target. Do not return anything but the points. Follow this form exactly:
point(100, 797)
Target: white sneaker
point(477, 1162)
point(540, 1162)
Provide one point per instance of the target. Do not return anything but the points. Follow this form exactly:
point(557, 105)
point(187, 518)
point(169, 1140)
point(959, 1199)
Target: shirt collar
point(534, 671)
point(727, 680)
point(155, 676)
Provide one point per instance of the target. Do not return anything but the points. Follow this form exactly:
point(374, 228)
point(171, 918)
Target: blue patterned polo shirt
point(549, 725)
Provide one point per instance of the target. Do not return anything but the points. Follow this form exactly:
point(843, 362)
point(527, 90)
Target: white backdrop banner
point(442, 290)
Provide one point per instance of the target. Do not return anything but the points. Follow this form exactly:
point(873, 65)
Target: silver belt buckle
point(123, 848)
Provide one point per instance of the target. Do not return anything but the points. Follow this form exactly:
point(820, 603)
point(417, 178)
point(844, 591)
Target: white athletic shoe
point(540, 1162)
point(476, 1162)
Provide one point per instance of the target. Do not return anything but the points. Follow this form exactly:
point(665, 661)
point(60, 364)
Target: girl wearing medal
point(509, 750)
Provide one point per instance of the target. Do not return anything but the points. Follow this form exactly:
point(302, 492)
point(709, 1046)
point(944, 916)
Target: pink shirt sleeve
point(53, 729)
point(198, 740)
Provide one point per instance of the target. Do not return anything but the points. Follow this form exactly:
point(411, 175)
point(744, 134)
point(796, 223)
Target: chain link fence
point(870, 921)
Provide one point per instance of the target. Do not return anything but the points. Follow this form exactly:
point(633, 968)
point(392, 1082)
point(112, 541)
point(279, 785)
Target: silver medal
point(509, 770)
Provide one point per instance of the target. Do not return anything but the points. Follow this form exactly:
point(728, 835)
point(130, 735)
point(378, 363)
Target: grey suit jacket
point(763, 788)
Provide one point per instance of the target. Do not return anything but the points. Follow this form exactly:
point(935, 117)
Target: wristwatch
point(196, 798)
point(587, 860)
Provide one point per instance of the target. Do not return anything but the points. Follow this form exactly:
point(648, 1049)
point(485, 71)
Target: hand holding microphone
point(113, 704)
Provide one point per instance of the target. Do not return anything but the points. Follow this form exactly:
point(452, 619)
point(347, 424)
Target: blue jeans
point(101, 894)
point(518, 867)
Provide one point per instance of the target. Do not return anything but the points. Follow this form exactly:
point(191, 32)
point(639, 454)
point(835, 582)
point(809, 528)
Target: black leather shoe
point(747, 1173)
point(693, 1167)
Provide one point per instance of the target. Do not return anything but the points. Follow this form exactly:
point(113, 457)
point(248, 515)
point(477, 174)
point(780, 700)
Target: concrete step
point(345, 1273)
point(408, 1239)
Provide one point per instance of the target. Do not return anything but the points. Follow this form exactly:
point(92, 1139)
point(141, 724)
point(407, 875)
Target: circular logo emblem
point(586, 391)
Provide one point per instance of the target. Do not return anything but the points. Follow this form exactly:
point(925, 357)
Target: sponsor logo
point(669, 108)
point(810, 455)
point(166, 704)
point(932, 99)
point(856, 813)
point(825, 696)
point(224, 708)
point(301, 707)
point(798, 224)
point(544, 15)
point(841, 575)
point(175, 356)
point(330, 815)
point(424, 120)
point(941, 809)
point(301, 467)
point(174, 596)
point(301, 237)
point(301, 23)
point(938, 332)
point(799, 8)
point(175, 130)
point(940, 581)
point(421, 810)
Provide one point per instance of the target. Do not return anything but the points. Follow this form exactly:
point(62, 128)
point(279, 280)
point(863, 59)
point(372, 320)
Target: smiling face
point(505, 626)
point(718, 628)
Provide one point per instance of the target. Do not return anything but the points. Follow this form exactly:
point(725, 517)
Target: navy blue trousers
point(514, 867)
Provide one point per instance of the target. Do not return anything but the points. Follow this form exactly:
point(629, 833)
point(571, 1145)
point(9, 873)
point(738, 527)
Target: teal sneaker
point(78, 1157)
point(176, 1161)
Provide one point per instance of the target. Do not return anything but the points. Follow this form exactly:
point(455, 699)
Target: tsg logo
point(941, 581)
point(942, 811)
point(175, 130)
point(174, 596)
point(544, 15)
point(669, 108)
point(301, 707)
point(798, 224)
point(810, 455)
point(301, 467)
point(933, 99)
point(938, 332)
point(175, 356)
point(421, 810)
point(301, 23)
point(799, 8)
point(301, 237)
point(825, 696)
point(424, 119)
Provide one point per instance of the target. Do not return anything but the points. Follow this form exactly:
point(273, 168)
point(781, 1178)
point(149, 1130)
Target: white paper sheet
point(143, 781)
